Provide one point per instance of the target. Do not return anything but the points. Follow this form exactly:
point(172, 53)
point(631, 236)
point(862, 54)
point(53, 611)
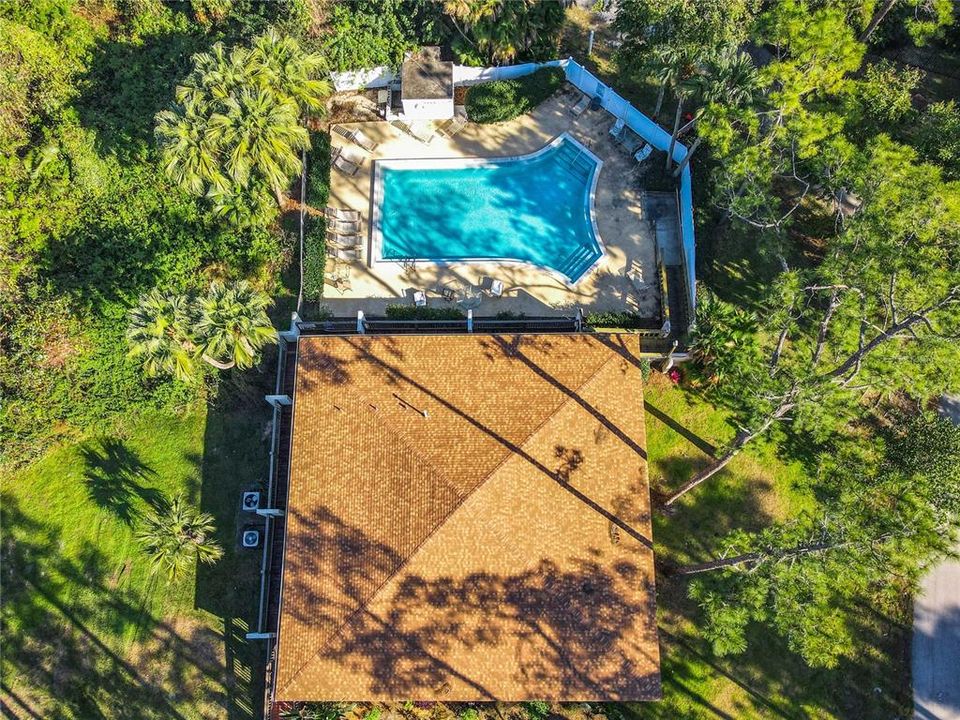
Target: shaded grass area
point(768, 681)
point(88, 631)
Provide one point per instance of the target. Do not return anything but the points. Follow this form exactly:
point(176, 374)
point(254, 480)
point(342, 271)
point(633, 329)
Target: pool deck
point(627, 235)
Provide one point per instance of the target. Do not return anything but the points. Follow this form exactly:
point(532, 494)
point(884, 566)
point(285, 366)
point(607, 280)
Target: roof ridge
point(566, 401)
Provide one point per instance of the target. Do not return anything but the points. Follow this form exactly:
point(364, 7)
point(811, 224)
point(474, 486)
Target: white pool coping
point(460, 162)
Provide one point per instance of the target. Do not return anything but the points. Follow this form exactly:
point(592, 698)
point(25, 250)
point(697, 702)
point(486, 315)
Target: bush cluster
point(412, 312)
point(626, 320)
point(504, 100)
point(314, 259)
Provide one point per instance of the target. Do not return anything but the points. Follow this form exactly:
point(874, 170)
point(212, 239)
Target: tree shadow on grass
point(114, 475)
point(66, 630)
point(236, 458)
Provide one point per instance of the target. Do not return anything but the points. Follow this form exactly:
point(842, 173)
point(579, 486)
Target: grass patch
point(88, 631)
point(757, 488)
point(504, 100)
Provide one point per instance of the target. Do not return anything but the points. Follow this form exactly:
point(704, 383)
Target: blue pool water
point(532, 209)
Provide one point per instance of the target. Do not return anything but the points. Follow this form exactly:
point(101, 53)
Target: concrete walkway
point(936, 631)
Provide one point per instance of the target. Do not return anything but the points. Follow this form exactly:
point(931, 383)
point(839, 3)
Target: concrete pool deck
point(626, 234)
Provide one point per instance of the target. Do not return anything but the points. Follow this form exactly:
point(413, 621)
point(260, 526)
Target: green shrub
point(318, 170)
point(314, 259)
point(537, 709)
point(625, 320)
point(645, 369)
point(510, 315)
point(412, 312)
point(503, 100)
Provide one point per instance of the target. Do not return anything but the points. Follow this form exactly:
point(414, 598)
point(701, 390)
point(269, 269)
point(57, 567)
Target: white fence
point(377, 77)
point(467, 75)
point(589, 84)
point(660, 139)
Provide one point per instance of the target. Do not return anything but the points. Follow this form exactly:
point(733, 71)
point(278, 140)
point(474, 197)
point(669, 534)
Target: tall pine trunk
point(656, 109)
point(686, 159)
point(742, 440)
point(877, 18)
point(673, 137)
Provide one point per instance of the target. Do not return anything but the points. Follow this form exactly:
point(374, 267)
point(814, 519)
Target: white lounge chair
point(491, 286)
point(616, 130)
point(363, 141)
point(344, 240)
point(342, 214)
point(582, 104)
point(351, 253)
point(643, 153)
point(344, 164)
point(357, 137)
point(420, 298)
point(636, 279)
point(344, 227)
point(453, 126)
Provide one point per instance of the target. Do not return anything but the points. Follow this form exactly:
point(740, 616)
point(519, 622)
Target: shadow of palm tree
point(114, 476)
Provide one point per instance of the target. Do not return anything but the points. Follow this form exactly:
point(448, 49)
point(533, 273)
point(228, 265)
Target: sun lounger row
point(491, 287)
point(346, 160)
point(356, 136)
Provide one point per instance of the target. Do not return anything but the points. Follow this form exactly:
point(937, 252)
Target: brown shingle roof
point(468, 519)
point(424, 76)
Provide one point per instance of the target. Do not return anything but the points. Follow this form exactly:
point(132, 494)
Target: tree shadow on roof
point(574, 626)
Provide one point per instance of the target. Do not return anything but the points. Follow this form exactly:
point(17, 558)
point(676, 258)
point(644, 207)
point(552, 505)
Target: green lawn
point(88, 631)
point(768, 681)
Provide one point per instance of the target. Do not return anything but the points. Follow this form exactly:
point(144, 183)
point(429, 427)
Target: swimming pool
point(535, 209)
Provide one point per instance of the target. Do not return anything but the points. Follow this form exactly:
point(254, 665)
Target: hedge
point(503, 100)
point(625, 320)
point(314, 258)
point(412, 312)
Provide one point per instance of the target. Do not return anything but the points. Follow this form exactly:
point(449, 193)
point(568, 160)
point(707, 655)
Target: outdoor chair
point(344, 165)
point(617, 130)
point(363, 141)
point(451, 127)
point(448, 294)
point(346, 241)
point(350, 155)
point(342, 214)
point(491, 286)
point(581, 106)
point(343, 253)
point(420, 298)
point(643, 153)
point(344, 227)
point(636, 279)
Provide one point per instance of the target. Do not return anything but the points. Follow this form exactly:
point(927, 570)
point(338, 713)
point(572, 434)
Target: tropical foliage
point(504, 31)
point(227, 327)
point(504, 100)
point(235, 133)
point(177, 536)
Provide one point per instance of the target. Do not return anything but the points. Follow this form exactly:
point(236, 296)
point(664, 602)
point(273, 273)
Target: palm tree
point(281, 66)
point(234, 325)
point(667, 65)
point(237, 118)
point(190, 157)
point(160, 334)
point(729, 79)
point(259, 134)
point(177, 536)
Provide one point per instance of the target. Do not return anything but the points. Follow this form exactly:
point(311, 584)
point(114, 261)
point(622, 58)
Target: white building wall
point(440, 109)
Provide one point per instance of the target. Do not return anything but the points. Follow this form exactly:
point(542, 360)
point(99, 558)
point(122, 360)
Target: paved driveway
point(936, 632)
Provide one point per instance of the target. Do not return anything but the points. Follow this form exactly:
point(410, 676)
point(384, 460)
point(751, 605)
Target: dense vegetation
point(504, 100)
point(149, 170)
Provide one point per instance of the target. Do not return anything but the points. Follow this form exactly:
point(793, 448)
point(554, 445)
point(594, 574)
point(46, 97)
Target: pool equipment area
point(536, 209)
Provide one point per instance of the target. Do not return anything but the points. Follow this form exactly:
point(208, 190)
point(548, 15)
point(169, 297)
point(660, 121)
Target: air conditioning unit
point(251, 501)
point(251, 538)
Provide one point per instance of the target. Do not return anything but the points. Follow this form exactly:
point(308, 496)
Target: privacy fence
point(589, 84)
